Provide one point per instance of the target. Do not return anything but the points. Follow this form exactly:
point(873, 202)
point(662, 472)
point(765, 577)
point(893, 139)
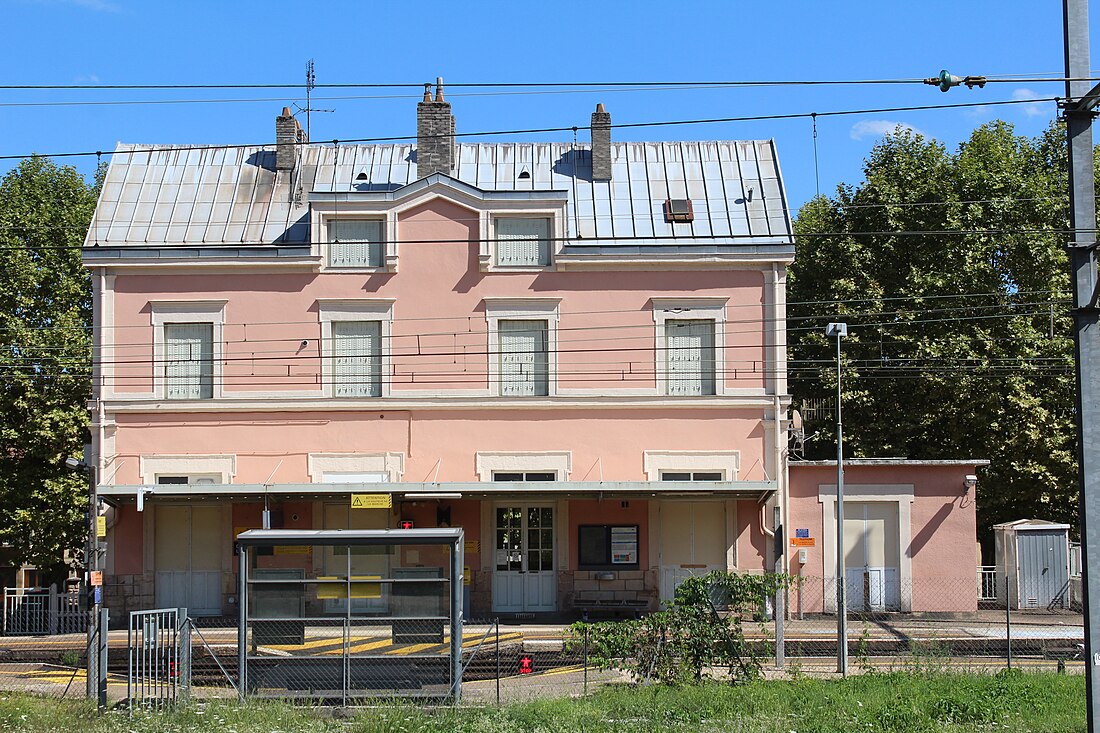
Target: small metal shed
point(1032, 563)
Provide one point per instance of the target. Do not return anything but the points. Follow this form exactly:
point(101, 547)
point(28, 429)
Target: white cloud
point(1031, 110)
point(86, 79)
point(878, 128)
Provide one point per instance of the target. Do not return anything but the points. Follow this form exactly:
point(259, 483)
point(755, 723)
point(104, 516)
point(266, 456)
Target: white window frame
point(519, 267)
point(222, 468)
point(322, 214)
point(522, 309)
point(166, 312)
point(656, 462)
point(328, 242)
point(488, 216)
point(390, 464)
point(356, 309)
point(689, 309)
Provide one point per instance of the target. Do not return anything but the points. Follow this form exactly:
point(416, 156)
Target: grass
point(902, 702)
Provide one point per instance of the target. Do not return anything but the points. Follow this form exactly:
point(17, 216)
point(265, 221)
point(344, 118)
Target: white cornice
point(314, 404)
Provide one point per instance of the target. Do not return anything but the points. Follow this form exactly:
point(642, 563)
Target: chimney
point(435, 134)
point(288, 136)
point(601, 144)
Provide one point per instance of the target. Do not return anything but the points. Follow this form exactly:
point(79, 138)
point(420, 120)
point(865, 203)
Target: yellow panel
point(371, 501)
point(710, 533)
point(172, 533)
point(206, 538)
point(676, 533)
point(339, 589)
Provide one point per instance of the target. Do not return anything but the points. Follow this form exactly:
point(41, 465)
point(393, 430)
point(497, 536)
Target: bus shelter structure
point(336, 615)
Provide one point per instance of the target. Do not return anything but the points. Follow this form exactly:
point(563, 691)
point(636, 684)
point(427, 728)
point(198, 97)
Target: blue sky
point(202, 42)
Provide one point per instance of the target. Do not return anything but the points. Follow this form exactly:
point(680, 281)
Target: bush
point(703, 628)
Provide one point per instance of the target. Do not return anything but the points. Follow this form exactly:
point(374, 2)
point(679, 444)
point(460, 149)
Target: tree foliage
point(950, 269)
point(702, 629)
point(45, 317)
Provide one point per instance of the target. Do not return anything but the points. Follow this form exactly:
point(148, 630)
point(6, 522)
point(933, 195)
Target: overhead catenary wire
point(544, 130)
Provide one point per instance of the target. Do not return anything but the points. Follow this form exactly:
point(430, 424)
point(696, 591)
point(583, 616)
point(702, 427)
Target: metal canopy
point(414, 491)
point(341, 537)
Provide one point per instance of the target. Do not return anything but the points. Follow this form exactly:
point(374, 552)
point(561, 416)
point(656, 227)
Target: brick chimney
point(435, 134)
point(601, 144)
point(288, 136)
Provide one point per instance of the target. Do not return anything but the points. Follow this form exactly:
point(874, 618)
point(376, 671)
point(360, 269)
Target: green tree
point(45, 317)
point(950, 270)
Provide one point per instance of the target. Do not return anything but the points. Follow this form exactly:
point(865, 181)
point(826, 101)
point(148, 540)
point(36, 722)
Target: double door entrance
point(524, 573)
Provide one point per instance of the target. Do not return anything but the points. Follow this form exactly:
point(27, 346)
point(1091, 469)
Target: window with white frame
point(189, 361)
point(522, 241)
point(356, 358)
point(524, 358)
point(356, 243)
point(690, 356)
point(691, 476)
point(355, 335)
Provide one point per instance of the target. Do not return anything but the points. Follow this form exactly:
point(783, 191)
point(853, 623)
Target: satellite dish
point(796, 421)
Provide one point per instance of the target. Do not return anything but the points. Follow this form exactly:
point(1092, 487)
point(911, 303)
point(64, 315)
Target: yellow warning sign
point(101, 526)
point(371, 501)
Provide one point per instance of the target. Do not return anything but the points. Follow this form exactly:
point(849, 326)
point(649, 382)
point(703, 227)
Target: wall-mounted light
point(969, 482)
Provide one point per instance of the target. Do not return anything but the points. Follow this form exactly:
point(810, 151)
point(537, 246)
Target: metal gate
point(159, 643)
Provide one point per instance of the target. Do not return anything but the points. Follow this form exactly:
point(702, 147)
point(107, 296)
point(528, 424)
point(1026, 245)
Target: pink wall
point(943, 529)
point(261, 440)
point(606, 330)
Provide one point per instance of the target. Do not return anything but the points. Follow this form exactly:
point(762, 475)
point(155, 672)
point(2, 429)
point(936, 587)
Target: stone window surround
point(522, 309)
point(324, 214)
point(900, 494)
point(553, 233)
point(688, 308)
point(657, 461)
point(355, 309)
point(186, 311)
point(490, 462)
point(390, 463)
point(222, 466)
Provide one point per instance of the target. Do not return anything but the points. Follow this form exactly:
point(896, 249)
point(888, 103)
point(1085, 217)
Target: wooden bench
point(612, 607)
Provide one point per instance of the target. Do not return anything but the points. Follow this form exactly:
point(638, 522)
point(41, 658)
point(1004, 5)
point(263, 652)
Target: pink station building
point(576, 353)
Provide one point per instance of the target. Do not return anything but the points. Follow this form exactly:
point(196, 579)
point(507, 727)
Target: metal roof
point(162, 196)
point(349, 536)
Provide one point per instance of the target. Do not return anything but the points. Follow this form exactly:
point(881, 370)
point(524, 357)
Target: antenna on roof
point(311, 82)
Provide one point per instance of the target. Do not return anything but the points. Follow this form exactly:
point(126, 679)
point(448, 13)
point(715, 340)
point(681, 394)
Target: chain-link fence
point(946, 625)
point(948, 622)
point(43, 641)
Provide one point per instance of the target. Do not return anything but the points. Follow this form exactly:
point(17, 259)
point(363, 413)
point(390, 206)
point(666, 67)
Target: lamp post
point(839, 330)
point(97, 645)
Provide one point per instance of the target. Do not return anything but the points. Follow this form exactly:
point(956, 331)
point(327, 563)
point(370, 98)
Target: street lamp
point(839, 330)
point(97, 643)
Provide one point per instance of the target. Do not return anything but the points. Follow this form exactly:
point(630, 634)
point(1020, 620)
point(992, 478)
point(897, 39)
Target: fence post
point(1008, 619)
point(52, 610)
point(585, 660)
point(183, 664)
point(101, 651)
point(497, 655)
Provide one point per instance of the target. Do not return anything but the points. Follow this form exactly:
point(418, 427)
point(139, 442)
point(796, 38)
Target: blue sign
point(802, 533)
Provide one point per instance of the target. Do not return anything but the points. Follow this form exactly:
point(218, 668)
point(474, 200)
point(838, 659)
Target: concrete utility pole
point(1080, 108)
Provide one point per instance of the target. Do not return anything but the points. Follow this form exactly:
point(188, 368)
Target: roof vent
point(679, 210)
point(362, 175)
point(524, 174)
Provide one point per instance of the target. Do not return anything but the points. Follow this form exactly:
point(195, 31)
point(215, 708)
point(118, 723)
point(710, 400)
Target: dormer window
point(356, 243)
point(522, 241)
